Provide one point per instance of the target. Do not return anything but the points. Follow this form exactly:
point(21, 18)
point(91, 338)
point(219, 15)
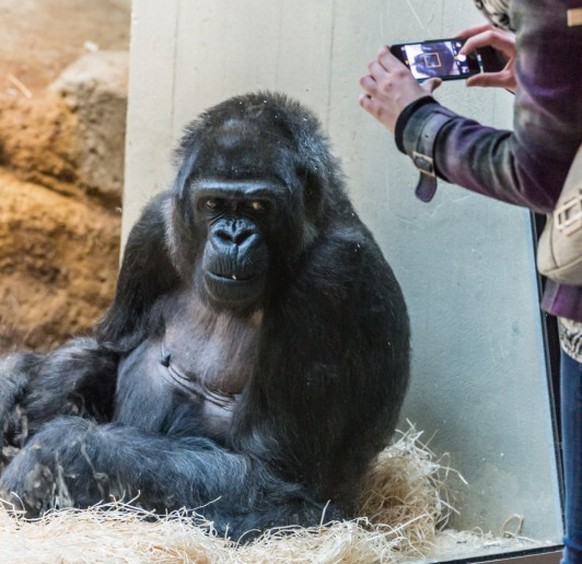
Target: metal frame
point(545, 555)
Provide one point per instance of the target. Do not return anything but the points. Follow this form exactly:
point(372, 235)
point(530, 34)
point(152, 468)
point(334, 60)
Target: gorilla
point(254, 359)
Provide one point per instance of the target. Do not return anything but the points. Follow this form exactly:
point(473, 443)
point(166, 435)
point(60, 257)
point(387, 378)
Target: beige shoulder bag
point(559, 254)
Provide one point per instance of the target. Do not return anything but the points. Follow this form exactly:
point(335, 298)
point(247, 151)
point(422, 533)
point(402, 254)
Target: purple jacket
point(526, 166)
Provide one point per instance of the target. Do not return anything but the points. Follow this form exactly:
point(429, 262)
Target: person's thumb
point(431, 84)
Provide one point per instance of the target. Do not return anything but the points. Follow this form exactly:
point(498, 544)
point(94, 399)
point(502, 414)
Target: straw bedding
point(404, 504)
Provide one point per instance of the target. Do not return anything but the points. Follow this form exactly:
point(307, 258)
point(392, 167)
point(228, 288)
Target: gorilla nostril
point(224, 235)
point(241, 237)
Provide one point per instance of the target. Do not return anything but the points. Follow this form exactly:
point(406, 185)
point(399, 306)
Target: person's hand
point(390, 87)
point(502, 41)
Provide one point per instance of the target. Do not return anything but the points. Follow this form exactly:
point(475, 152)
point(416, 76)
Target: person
point(541, 42)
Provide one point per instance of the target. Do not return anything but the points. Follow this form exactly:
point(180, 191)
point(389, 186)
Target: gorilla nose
point(241, 242)
point(234, 236)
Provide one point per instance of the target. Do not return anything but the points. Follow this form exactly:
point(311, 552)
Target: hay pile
point(403, 506)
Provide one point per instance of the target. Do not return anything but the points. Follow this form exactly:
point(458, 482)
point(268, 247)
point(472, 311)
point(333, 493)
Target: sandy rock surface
point(63, 97)
point(58, 261)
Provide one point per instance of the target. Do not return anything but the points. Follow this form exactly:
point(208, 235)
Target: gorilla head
point(252, 182)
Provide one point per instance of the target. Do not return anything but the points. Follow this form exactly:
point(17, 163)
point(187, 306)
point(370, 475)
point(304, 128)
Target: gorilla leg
point(73, 462)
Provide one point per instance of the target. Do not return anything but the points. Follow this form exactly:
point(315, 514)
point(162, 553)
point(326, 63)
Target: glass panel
point(480, 382)
point(466, 264)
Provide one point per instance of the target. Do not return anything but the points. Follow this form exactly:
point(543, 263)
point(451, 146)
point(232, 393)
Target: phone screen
point(437, 58)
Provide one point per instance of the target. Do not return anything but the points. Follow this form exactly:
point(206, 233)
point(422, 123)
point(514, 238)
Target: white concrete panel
point(151, 104)
point(265, 46)
point(465, 262)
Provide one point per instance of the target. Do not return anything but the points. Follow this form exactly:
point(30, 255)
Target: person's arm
point(527, 166)
point(390, 87)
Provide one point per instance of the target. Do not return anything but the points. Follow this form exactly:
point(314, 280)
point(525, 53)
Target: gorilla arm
point(70, 462)
point(334, 369)
point(78, 378)
point(146, 274)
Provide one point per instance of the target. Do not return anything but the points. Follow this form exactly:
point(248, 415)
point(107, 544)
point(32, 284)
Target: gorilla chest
point(201, 364)
point(210, 356)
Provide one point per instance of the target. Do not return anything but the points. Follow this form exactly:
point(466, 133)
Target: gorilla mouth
point(235, 289)
point(231, 278)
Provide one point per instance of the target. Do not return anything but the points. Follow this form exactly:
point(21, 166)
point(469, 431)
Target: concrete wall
point(465, 263)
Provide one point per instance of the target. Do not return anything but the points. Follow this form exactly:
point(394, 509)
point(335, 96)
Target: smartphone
point(440, 57)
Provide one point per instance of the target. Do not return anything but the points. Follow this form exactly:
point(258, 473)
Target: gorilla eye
point(211, 203)
point(258, 206)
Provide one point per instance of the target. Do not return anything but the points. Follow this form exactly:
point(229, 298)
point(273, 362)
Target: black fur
point(254, 359)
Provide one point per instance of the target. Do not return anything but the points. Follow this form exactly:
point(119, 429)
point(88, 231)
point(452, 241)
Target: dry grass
point(404, 504)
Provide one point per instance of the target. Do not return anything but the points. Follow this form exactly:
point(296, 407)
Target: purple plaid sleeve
point(526, 166)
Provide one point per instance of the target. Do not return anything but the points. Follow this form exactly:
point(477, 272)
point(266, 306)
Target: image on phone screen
point(436, 58)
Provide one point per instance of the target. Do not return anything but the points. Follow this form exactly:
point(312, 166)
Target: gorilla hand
point(16, 370)
point(44, 472)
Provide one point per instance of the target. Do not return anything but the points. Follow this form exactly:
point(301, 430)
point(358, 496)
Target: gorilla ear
point(319, 170)
point(314, 188)
point(321, 175)
point(185, 157)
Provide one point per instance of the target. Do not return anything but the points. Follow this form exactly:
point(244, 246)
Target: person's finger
point(369, 85)
point(491, 79)
point(431, 84)
point(368, 104)
point(474, 30)
point(389, 61)
point(500, 41)
point(492, 39)
point(365, 101)
point(377, 70)
point(383, 49)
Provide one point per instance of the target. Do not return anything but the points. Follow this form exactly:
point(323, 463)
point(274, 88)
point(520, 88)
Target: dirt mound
point(61, 166)
point(58, 259)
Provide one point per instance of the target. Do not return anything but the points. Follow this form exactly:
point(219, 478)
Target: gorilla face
point(247, 199)
point(236, 216)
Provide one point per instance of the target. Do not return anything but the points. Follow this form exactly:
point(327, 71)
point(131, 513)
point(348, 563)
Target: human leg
point(571, 402)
